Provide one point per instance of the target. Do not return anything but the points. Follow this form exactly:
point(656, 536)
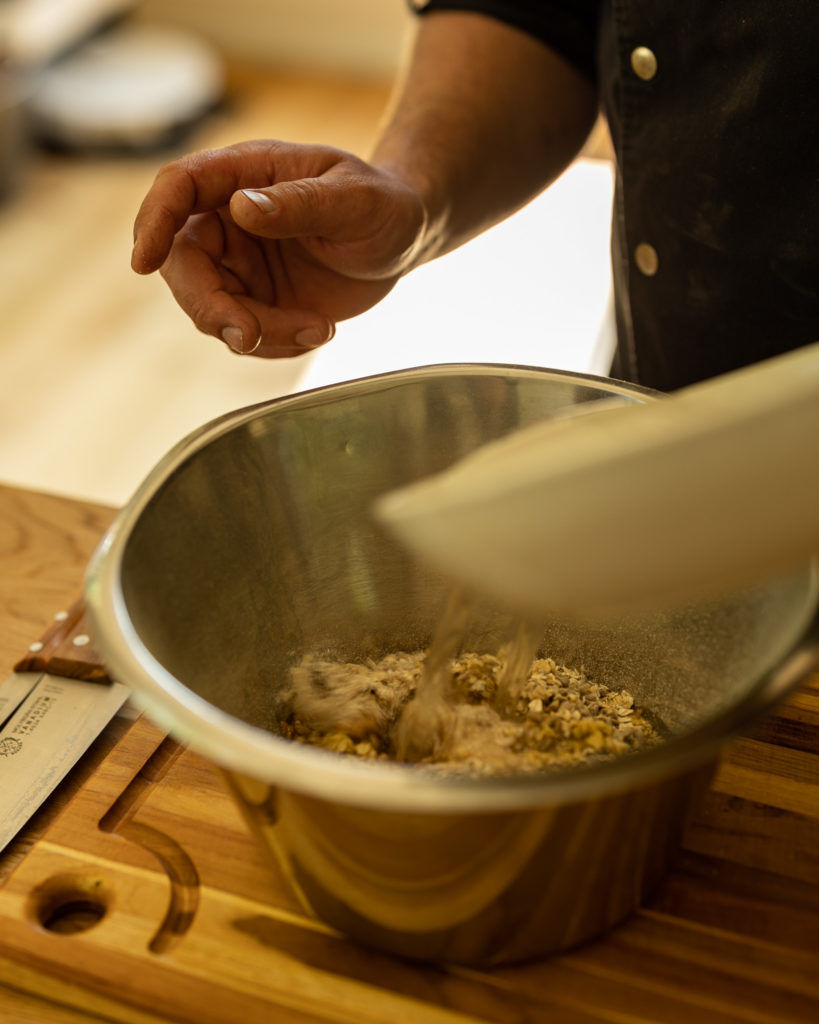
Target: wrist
point(432, 208)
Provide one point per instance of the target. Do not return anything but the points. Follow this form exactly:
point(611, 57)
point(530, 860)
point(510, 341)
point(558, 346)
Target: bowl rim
point(237, 746)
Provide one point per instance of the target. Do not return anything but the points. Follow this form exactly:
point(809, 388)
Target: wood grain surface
point(136, 894)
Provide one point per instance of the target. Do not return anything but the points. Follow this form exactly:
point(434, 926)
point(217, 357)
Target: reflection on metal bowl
point(253, 543)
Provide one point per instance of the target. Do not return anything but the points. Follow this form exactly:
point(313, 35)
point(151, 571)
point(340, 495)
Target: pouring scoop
point(632, 506)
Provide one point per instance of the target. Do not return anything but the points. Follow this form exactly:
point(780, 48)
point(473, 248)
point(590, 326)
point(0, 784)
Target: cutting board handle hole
point(73, 917)
point(70, 905)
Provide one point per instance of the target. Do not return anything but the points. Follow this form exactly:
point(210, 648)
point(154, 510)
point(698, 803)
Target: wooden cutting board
point(137, 895)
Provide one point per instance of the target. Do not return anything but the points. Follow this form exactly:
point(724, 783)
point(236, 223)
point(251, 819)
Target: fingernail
point(310, 337)
point(234, 339)
point(260, 199)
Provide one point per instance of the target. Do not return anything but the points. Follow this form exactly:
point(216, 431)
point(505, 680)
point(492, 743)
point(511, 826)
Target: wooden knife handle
point(65, 649)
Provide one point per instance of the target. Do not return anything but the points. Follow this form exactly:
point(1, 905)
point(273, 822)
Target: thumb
point(291, 209)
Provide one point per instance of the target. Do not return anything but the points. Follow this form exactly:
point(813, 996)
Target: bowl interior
point(254, 543)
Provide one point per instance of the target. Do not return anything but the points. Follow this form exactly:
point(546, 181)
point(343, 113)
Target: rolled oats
point(560, 718)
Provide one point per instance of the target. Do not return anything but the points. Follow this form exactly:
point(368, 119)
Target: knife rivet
point(36, 646)
point(81, 640)
point(61, 616)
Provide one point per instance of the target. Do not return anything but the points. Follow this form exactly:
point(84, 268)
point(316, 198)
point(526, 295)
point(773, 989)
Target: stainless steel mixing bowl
point(252, 542)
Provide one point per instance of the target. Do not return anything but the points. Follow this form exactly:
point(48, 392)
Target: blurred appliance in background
point(12, 127)
point(37, 32)
point(98, 80)
point(133, 86)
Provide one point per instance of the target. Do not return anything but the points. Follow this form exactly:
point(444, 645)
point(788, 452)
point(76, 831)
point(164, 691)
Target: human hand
point(320, 237)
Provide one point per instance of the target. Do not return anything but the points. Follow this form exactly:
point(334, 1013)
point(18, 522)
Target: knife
point(52, 707)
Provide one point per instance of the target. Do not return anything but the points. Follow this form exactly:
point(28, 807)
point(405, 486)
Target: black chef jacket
point(713, 109)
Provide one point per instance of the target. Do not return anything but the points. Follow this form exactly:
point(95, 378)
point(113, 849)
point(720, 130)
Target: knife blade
point(52, 708)
point(45, 738)
point(13, 691)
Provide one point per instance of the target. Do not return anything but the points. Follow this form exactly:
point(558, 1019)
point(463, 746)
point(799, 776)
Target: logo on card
point(9, 746)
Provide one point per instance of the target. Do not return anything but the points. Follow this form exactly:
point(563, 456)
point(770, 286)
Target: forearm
point(483, 119)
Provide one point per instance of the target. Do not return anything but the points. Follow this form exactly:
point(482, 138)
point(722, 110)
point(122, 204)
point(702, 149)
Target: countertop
point(732, 937)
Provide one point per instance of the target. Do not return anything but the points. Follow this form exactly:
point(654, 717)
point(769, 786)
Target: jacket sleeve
point(567, 26)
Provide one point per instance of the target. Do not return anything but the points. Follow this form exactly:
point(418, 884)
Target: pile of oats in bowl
point(556, 718)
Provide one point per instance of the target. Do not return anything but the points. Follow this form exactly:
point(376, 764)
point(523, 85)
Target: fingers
point(166, 207)
point(205, 181)
point(198, 274)
point(215, 311)
point(288, 332)
point(246, 325)
point(191, 185)
point(293, 209)
point(203, 290)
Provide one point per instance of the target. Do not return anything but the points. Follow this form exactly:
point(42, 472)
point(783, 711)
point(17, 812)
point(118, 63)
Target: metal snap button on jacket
point(646, 258)
point(643, 63)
